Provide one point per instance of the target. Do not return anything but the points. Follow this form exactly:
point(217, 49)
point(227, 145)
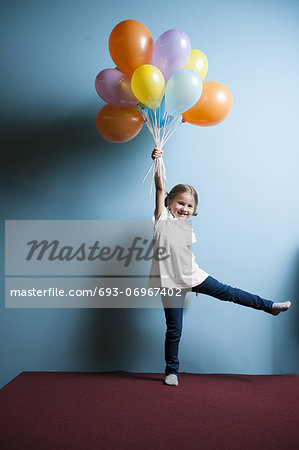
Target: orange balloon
point(131, 45)
point(118, 124)
point(213, 106)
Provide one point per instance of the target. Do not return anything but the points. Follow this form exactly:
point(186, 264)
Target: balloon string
point(164, 128)
point(172, 133)
point(145, 118)
point(157, 144)
point(171, 127)
point(159, 125)
point(142, 113)
point(156, 169)
point(163, 169)
point(171, 130)
point(153, 177)
point(164, 116)
point(148, 171)
point(155, 130)
point(151, 130)
point(150, 119)
point(149, 126)
point(151, 114)
point(159, 168)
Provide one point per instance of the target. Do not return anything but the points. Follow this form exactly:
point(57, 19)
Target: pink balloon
point(114, 87)
point(171, 52)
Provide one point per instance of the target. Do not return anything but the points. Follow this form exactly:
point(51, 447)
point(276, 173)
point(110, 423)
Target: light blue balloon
point(182, 91)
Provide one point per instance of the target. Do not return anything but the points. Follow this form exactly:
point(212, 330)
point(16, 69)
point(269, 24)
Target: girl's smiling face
point(182, 206)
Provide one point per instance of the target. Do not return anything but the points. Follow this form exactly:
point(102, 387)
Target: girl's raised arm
point(160, 190)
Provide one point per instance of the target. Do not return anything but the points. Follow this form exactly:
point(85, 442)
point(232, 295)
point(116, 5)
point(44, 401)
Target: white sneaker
point(171, 379)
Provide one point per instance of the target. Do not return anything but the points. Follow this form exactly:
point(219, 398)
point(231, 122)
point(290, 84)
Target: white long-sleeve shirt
point(176, 267)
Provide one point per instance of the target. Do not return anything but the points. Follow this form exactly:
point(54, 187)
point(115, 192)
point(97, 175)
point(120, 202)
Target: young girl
point(178, 271)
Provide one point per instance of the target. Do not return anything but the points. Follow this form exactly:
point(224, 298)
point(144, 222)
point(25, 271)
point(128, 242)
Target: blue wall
point(54, 165)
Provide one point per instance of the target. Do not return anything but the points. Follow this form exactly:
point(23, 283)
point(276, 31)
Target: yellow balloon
point(148, 85)
point(198, 62)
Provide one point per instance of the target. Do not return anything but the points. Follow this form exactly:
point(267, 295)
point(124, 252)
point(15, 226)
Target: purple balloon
point(171, 52)
point(114, 87)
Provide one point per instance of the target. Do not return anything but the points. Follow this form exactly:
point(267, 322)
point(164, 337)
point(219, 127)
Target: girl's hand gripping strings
point(156, 153)
point(159, 182)
point(159, 168)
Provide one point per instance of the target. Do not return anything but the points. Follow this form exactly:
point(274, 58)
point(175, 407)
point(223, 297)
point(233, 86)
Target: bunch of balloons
point(158, 84)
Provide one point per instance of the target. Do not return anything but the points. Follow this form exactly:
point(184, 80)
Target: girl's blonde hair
point(181, 189)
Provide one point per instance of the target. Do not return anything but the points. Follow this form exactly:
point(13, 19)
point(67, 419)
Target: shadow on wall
point(32, 148)
point(48, 170)
point(117, 340)
point(42, 169)
point(123, 338)
point(40, 164)
point(286, 327)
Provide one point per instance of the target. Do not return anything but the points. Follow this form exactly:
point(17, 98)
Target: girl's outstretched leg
point(224, 292)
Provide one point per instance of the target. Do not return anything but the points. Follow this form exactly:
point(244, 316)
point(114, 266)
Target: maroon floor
point(74, 411)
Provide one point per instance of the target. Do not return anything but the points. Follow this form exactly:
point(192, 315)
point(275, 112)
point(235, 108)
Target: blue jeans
point(174, 315)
